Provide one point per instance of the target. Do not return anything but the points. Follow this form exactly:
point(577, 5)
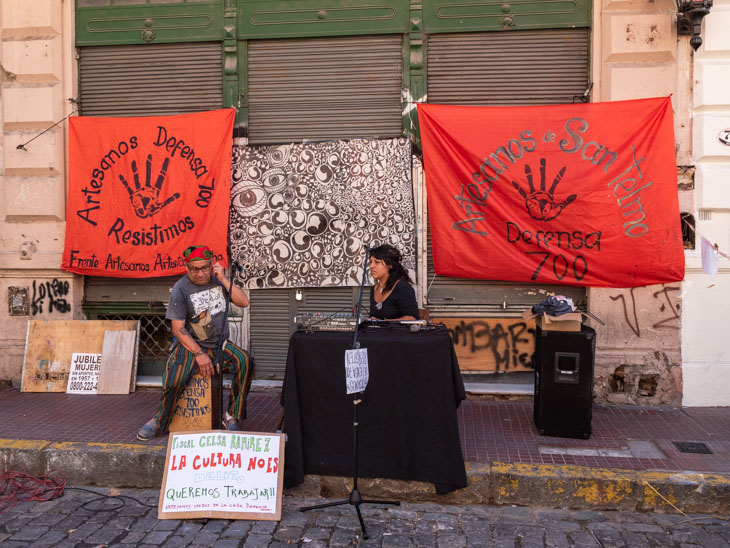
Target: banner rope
point(22, 145)
point(696, 233)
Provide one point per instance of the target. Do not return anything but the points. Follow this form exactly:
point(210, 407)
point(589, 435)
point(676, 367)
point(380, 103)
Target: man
point(197, 314)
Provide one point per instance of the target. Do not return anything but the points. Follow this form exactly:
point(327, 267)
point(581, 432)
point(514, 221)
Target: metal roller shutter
point(316, 89)
point(271, 326)
point(329, 300)
point(147, 80)
point(462, 297)
point(272, 321)
point(502, 68)
point(531, 67)
point(324, 88)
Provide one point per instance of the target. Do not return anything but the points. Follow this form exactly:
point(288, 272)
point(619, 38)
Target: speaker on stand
point(564, 382)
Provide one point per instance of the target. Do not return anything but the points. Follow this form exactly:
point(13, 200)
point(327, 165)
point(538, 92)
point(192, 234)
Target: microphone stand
point(355, 497)
point(216, 381)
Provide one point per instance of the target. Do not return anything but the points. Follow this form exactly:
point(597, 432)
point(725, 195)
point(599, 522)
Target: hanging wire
point(22, 145)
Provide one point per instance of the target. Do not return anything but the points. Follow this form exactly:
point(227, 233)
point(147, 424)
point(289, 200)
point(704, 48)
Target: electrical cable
point(17, 487)
point(103, 497)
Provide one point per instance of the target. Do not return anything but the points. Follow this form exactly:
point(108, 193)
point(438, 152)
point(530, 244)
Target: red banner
point(582, 194)
point(141, 190)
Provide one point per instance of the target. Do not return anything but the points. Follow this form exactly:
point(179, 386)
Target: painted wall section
point(638, 357)
point(705, 352)
point(36, 77)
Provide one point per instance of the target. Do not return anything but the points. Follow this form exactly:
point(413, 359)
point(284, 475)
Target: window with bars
point(155, 334)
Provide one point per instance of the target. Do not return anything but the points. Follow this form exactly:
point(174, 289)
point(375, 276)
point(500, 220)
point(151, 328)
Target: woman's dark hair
point(391, 257)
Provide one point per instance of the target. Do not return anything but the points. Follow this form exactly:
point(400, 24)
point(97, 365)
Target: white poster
point(224, 474)
point(357, 372)
point(83, 375)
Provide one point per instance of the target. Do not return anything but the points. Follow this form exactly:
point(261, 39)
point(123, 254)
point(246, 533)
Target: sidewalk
point(663, 459)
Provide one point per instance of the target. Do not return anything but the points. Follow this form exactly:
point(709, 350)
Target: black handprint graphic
point(146, 199)
point(541, 205)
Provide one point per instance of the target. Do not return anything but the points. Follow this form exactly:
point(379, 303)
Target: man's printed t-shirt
point(202, 307)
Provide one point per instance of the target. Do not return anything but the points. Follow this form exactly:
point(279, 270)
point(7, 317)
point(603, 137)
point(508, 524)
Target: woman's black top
point(400, 302)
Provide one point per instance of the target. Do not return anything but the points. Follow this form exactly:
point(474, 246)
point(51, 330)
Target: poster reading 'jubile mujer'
point(141, 190)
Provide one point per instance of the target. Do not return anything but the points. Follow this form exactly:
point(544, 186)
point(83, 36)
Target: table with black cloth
point(407, 424)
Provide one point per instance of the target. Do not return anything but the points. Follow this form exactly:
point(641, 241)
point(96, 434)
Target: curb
point(498, 483)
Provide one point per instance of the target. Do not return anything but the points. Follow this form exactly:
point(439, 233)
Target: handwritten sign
point(220, 474)
point(83, 375)
point(356, 370)
point(193, 408)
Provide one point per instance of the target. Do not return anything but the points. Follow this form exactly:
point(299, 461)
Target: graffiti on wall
point(492, 344)
point(50, 296)
point(659, 308)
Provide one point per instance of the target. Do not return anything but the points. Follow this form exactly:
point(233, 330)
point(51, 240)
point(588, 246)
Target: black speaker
point(564, 382)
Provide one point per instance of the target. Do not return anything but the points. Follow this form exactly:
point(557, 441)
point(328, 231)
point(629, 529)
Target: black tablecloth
point(407, 419)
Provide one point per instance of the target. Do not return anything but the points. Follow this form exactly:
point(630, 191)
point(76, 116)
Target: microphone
point(237, 266)
point(415, 325)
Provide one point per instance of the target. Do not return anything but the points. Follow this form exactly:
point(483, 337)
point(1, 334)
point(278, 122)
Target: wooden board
point(193, 410)
point(49, 345)
point(492, 344)
point(222, 474)
point(117, 362)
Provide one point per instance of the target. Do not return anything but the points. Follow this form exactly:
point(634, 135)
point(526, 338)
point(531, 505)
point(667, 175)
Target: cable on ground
point(17, 487)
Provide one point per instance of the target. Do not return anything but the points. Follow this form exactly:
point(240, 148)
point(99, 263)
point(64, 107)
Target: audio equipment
point(564, 382)
point(324, 321)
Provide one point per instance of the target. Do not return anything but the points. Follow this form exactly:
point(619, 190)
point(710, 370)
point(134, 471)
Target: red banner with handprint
point(142, 190)
point(582, 194)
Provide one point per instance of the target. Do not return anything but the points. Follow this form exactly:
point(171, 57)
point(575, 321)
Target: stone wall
point(37, 80)
point(637, 55)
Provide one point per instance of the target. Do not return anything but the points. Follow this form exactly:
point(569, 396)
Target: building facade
point(319, 70)
point(705, 358)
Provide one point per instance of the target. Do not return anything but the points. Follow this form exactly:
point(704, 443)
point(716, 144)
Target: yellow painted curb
point(585, 487)
point(551, 485)
point(24, 445)
point(107, 447)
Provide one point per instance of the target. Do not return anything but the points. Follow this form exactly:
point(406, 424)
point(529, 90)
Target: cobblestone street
point(80, 518)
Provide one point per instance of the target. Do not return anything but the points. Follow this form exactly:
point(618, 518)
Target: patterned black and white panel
point(302, 214)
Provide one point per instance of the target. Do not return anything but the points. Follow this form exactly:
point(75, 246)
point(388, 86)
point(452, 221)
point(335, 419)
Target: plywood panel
point(117, 362)
point(492, 344)
point(49, 345)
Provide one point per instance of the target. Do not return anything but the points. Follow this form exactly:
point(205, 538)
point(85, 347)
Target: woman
point(392, 297)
